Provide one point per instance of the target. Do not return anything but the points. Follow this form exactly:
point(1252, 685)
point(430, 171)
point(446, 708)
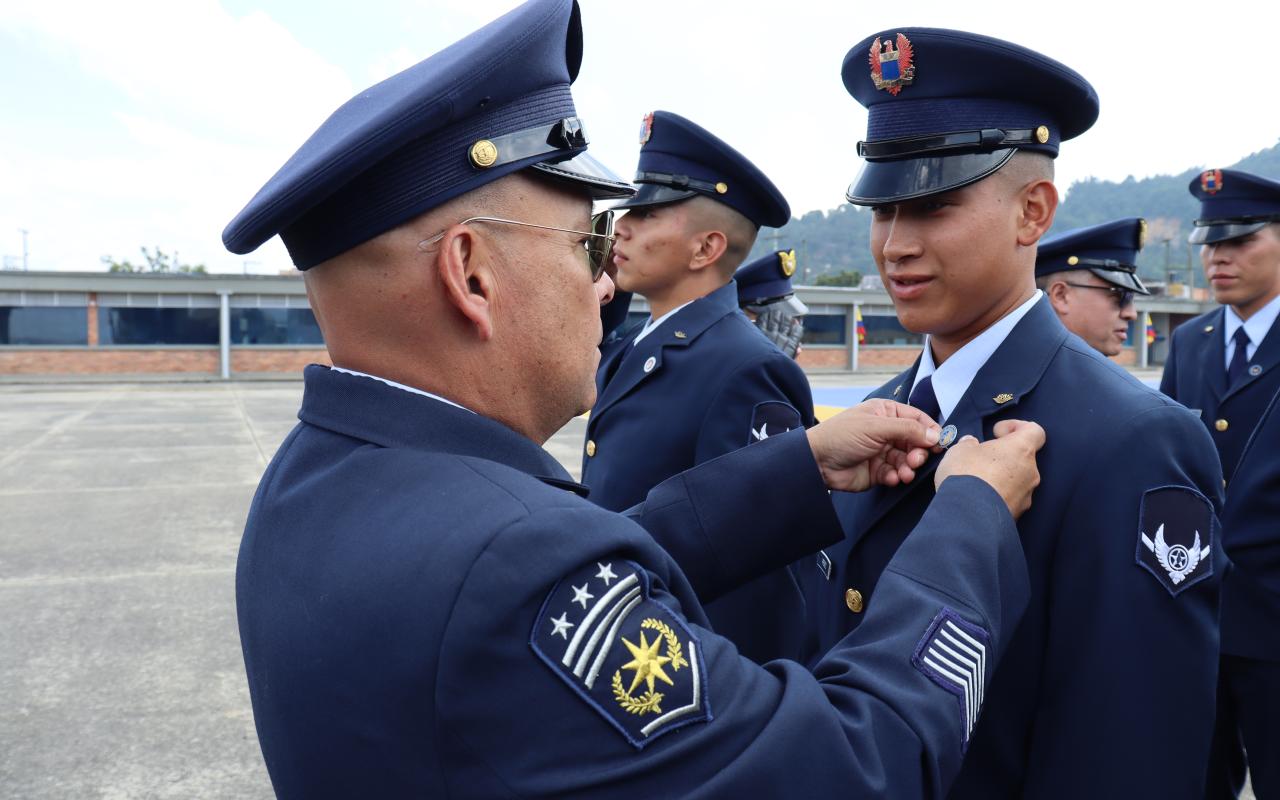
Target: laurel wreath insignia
point(648, 703)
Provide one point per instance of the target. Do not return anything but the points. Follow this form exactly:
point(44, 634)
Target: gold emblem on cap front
point(1073, 260)
point(1142, 233)
point(787, 262)
point(484, 153)
point(1042, 135)
point(722, 187)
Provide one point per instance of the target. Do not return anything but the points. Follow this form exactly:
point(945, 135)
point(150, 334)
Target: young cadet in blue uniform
point(1109, 683)
point(1090, 277)
point(766, 297)
point(1224, 366)
point(697, 380)
point(427, 605)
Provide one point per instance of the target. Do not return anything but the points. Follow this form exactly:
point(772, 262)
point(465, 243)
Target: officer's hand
point(877, 442)
point(1007, 462)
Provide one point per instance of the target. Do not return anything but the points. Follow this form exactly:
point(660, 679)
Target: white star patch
point(581, 595)
point(561, 626)
point(606, 572)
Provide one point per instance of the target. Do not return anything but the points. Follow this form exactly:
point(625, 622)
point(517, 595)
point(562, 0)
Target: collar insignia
point(1003, 398)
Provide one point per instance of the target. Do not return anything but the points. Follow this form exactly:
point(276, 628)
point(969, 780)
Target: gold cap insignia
point(722, 187)
point(1073, 260)
point(1003, 398)
point(787, 262)
point(1042, 135)
point(484, 153)
point(1142, 233)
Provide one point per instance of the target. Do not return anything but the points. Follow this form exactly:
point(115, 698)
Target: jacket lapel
point(1265, 358)
point(1011, 373)
point(643, 360)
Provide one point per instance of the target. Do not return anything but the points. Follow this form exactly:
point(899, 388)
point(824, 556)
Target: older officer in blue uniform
point(765, 295)
point(1223, 366)
point(427, 605)
point(697, 380)
point(1090, 277)
point(1110, 680)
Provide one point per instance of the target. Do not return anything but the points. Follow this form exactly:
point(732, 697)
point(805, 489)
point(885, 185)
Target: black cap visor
point(1122, 278)
point(583, 170)
point(1215, 232)
point(882, 182)
point(655, 194)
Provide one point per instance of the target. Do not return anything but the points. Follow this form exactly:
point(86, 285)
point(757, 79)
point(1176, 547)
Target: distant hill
point(837, 240)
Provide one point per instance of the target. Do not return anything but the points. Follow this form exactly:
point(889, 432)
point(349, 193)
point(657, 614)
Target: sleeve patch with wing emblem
point(772, 418)
point(627, 655)
point(1176, 530)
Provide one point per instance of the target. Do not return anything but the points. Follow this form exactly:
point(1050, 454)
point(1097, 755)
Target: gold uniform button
point(1221, 425)
point(591, 448)
point(853, 599)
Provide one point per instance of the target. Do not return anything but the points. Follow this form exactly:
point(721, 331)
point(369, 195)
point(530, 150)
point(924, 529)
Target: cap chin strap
point(676, 181)
point(982, 141)
point(566, 135)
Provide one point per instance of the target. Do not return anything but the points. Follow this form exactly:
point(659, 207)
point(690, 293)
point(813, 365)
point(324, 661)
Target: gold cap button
point(591, 448)
point(853, 599)
point(1221, 424)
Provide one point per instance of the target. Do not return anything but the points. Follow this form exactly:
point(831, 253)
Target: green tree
point(155, 260)
point(849, 277)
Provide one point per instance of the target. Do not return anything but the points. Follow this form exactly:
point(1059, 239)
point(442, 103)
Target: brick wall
point(833, 358)
point(103, 361)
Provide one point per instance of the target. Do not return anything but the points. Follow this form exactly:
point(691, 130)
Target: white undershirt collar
point(401, 386)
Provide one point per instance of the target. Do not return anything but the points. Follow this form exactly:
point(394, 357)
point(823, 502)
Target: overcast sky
point(152, 122)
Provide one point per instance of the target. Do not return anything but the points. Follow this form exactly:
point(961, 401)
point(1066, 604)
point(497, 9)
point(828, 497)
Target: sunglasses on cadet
point(598, 244)
point(1122, 297)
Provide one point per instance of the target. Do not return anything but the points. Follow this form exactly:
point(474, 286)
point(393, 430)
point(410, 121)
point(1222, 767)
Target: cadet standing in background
point(1223, 366)
point(1090, 277)
point(697, 380)
point(1109, 686)
point(765, 295)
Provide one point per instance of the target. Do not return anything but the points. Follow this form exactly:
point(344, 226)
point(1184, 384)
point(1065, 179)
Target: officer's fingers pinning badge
point(1175, 537)
point(626, 655)
point(772, 418)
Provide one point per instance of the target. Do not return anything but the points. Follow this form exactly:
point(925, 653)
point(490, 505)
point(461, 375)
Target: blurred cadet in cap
point(428, 606)
point(1090, 277)
point(1125, 561)
point(766, 297)
point(695, 381)
point(1225, 365)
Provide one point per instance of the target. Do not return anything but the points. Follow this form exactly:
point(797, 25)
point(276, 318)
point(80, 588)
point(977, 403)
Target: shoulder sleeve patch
point(628, 656)
point(1176, 529)
point(772, 418)
point(953, 654)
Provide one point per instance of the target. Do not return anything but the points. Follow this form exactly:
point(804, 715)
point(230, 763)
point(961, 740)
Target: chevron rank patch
point(625, 654)
point(953, 653)
point(772, 418)
point(1175, 537)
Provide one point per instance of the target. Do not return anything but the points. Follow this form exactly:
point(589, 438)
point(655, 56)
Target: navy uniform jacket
point(1251, 521)
point(1195, 374)
point(1109, 686)
point(703, 384)
point(415, 578)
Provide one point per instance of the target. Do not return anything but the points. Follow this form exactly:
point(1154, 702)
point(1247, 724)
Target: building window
point(824, 329)
point(274, 326)
point(44, 325)
point(887, 331)
point(155, 326)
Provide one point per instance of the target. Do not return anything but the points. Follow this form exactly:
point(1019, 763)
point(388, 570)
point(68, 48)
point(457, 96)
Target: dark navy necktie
point(1240, 359)
point(923, 398)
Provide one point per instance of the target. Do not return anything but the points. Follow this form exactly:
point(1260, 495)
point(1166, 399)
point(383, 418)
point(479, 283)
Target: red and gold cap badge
point(1211, 181)
point(646, 128)
point(892, 64)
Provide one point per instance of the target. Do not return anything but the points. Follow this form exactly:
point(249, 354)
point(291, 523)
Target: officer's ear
point(466, 276)
point(1038, 204)
point(708, 247)
point(1057, 293)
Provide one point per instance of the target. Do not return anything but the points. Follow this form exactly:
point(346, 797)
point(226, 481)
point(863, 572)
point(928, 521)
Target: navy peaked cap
point(1109, 251)
point(766, 278)
point(493, 103)
point(679, 159)
point(1232, 204)
point(948, 108)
